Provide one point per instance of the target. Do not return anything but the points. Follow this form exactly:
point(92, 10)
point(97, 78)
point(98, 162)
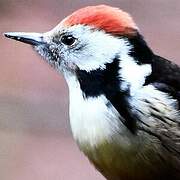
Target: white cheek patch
point(99, 48)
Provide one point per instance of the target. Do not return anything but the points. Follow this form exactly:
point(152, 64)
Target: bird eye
point(68, 40)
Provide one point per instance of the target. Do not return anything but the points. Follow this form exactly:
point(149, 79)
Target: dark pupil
point(67, 40)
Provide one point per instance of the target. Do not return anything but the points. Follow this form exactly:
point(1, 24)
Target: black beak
point(29, 38)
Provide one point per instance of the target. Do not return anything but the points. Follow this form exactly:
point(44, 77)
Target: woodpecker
point(124, 99)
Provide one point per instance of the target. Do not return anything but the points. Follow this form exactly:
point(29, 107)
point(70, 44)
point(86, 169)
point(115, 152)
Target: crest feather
point(110, 19)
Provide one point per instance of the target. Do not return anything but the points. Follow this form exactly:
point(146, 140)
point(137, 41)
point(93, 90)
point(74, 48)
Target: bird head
point(91, 38)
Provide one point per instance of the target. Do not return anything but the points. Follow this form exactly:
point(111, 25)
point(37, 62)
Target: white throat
point(94, 119)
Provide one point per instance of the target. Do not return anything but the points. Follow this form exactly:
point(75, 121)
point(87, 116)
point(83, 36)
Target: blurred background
point(35, 137)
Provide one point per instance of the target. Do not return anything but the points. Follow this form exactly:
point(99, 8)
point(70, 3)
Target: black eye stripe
point(68, 40)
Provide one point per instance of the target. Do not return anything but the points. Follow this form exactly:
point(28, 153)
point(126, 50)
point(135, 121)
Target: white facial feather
point(93, 48)
point(99, 48)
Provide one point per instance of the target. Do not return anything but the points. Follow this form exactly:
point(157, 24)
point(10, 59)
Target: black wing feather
point(165, 76)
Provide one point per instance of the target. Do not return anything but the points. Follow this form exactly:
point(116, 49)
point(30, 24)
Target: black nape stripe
point(107, 82)
point(140, 50)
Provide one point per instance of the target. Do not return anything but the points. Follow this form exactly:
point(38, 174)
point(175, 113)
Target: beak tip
point(6, 34)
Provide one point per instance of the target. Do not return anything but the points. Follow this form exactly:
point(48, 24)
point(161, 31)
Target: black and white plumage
point(124, 100)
